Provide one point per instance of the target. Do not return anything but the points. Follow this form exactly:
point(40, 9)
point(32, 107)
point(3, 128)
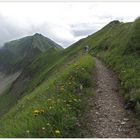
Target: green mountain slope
point(118, 45)
point(53, 108)
point(119, 48)
point(53, 101)
point(56, 79)
point(18, 53)
point(27, 52)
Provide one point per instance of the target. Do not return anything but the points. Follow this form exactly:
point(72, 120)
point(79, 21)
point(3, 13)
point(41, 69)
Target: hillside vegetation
point(17, 54)
point(21, 56)
point(118, 45)
point(50, 95)
point(54, 107)
point(46, 99)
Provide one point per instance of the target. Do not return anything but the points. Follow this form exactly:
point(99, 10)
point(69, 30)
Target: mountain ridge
point(20, 52)
point(57, 90)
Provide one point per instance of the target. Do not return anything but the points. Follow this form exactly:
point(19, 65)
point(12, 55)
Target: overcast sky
point(62, 22)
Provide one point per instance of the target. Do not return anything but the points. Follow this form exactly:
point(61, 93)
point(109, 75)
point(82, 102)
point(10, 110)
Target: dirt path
point(108, 118)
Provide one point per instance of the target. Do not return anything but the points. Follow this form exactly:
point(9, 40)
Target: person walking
point(87, 49)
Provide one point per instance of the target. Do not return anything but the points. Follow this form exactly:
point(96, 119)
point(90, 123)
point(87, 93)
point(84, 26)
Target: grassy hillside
point(41, 68)
point(52, 101)
point(19, 53)
point(118, 45)
point(46, 79)
point(27, 81)
point(53, 108)
point(31, 55)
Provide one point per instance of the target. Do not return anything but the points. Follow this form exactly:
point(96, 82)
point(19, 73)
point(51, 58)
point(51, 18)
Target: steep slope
point(26, 53)
point(18, 53)
point(117, 44)
point(57, 95)
point(119, 48)
point(6, 81)
point(106, 116)
point(53, 108)
point(53, 89)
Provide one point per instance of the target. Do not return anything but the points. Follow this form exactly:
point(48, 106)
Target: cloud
point(65, 23)
point(84, 29)
point(9, 30)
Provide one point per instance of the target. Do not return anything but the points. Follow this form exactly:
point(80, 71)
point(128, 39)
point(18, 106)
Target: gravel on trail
point(107, 117)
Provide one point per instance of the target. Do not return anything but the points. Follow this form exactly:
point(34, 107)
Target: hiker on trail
point(80, 90)
point(87, 49)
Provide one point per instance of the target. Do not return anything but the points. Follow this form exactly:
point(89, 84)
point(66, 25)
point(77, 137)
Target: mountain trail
point(107, 117)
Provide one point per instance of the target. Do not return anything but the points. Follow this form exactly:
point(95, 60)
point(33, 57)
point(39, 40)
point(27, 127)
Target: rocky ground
point(6, 80)
point(107, 117)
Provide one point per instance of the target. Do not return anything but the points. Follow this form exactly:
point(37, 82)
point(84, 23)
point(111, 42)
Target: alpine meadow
point(90, 89)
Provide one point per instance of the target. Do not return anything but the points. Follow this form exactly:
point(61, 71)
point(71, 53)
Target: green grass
point(17, 54)
point(41, 68)
point(118, 46)
point(53, 91)
point(60, 101)
point(36, 72)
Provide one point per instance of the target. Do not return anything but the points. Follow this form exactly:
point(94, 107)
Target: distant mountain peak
point(37, 34)
point(115, 22)
point(24, 50)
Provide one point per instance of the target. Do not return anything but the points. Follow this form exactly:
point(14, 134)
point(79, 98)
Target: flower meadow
point(53, 109)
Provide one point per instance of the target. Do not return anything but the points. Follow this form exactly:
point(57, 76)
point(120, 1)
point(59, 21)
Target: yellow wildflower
point(48, 124)
point(41, 110)
point(70, 101)
point(36, 111)
point(79, 100)
point(62, 88)
point(51, 107)
point(27, 131)
point(57, 132)
point(43, 128)
point(49, 99)
point(64, 101)
point(83, 68)
point(75, 100)
point(68, 104)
